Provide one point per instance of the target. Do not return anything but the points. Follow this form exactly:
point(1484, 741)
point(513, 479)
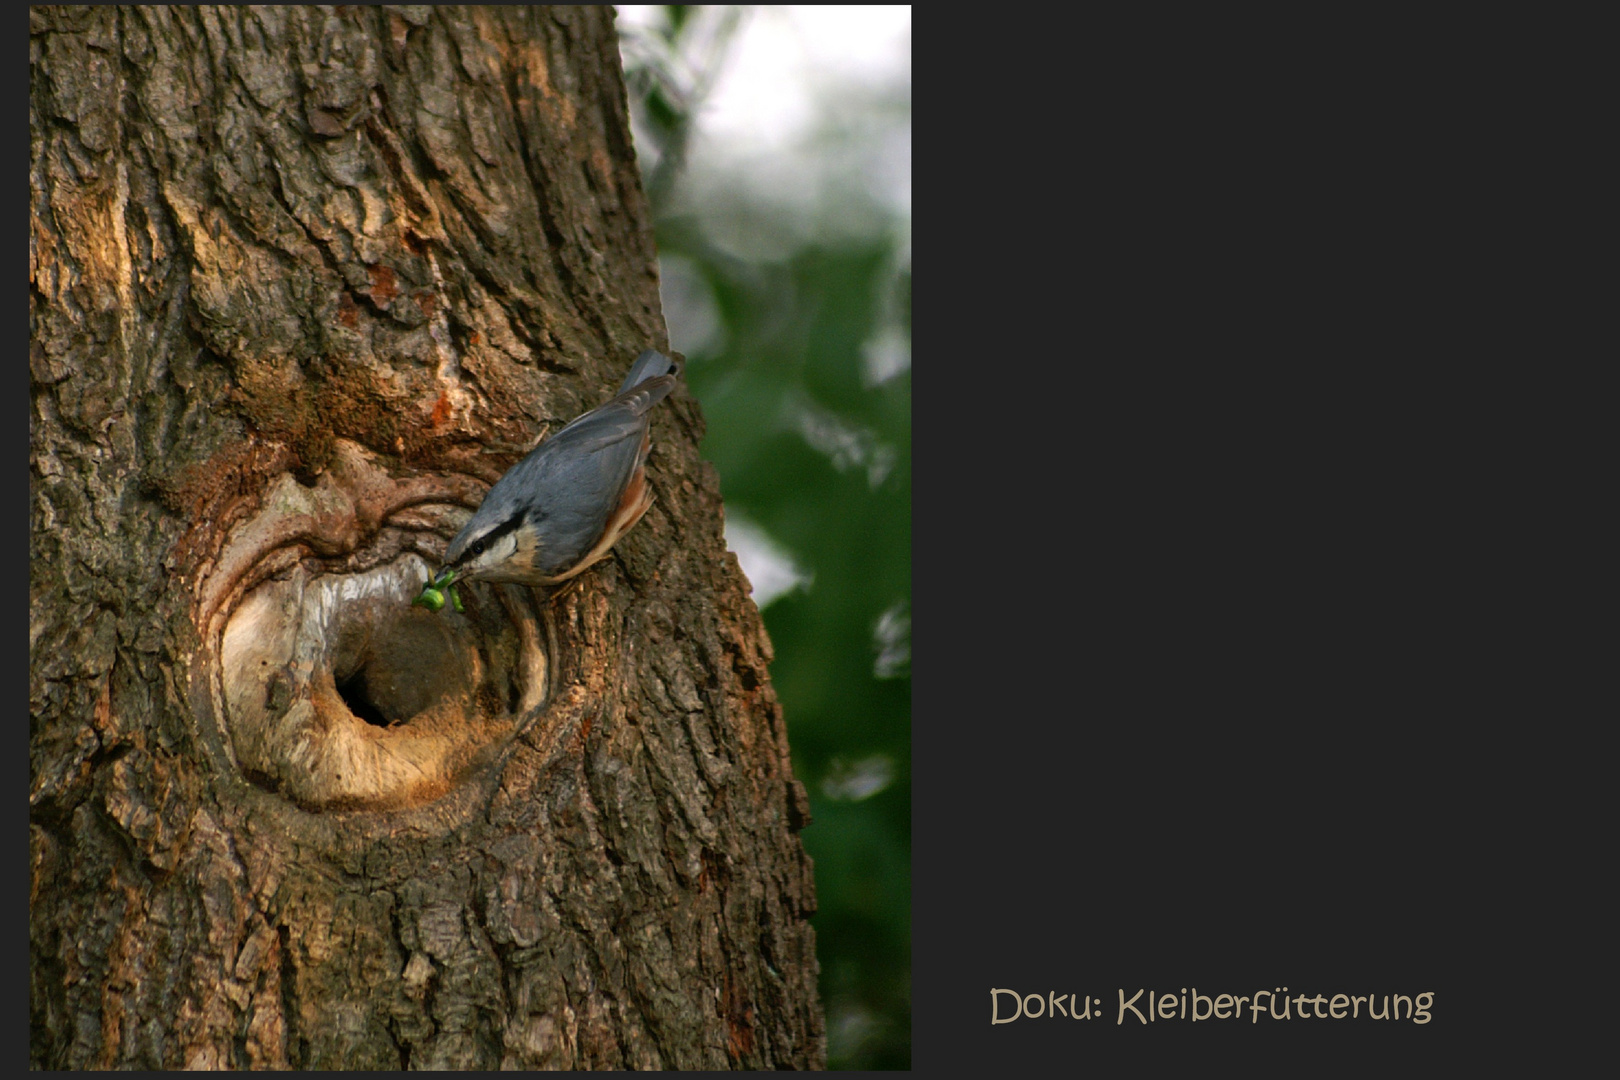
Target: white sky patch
point(690, 310)
point(885, 355)
point(887, 352)
point(809, 104)
point(770, 568)
point(854, 781)
point(788, 58)
point(891, 639)
point(847, 445)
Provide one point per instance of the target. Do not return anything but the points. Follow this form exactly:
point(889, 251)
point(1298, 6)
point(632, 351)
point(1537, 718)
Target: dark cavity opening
point(353, 692)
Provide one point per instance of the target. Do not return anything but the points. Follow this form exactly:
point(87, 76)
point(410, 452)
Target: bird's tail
point(651, 364)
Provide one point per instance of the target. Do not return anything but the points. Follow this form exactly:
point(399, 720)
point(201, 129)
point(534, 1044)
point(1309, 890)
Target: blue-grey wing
point(577, 477)
point(614, 420)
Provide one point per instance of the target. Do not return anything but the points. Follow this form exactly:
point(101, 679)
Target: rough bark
point(303, 282)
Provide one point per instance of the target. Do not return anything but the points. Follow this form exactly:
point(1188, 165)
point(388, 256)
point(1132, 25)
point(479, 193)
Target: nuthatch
point(565, 505)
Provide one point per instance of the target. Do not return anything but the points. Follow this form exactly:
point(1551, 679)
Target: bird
point(564, 506)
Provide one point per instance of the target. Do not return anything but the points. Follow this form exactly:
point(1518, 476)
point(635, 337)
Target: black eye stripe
point(483, 543)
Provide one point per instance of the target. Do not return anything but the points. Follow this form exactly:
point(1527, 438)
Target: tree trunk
point(304, 281)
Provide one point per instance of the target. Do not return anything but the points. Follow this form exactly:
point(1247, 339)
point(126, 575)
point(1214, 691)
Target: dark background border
point(1223, 418)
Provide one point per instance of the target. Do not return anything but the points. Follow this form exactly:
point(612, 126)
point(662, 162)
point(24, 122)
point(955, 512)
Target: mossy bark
point(266, 242)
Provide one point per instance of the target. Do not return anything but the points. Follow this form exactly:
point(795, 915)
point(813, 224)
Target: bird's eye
point(477, 547)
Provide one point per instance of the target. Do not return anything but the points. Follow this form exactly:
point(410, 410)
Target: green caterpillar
point(433, 592)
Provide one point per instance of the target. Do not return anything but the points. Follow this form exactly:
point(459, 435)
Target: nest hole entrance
point(353, 692)
point(340, 692)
